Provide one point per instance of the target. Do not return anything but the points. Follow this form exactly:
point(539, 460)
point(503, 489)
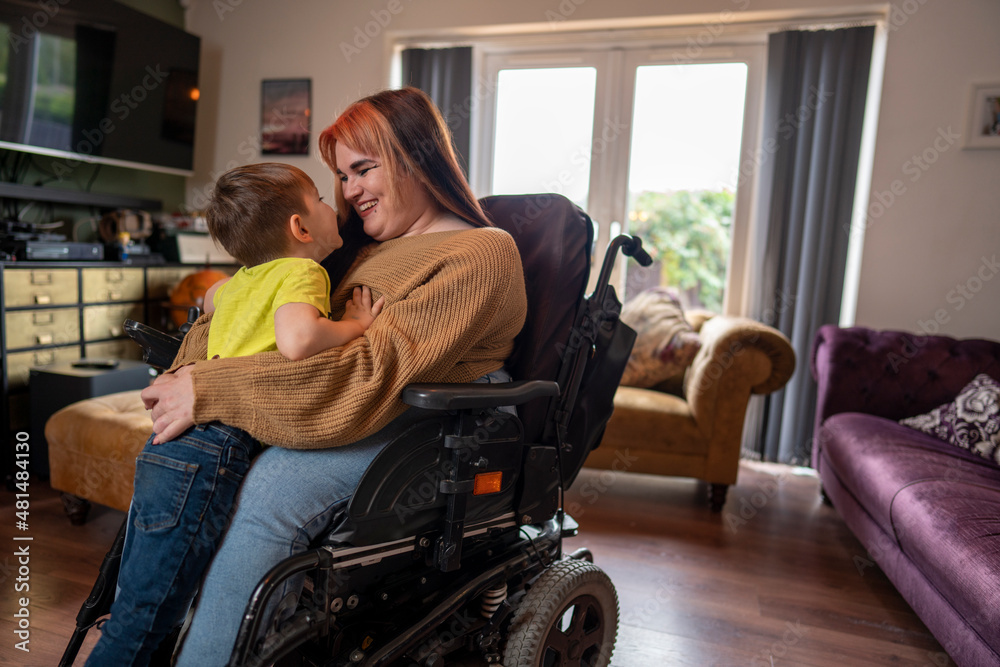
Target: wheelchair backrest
point(567, 337)
point(555, 239)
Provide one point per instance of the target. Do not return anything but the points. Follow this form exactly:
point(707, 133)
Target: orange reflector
point(487, 482)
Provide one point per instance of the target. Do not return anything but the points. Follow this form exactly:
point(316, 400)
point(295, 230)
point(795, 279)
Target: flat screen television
point(97, 81)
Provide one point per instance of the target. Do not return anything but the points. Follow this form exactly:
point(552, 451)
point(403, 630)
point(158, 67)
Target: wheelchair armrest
point(476, 395)
point(158, 348)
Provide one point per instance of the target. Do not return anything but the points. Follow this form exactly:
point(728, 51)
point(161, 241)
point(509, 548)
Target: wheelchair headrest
point(554, 238)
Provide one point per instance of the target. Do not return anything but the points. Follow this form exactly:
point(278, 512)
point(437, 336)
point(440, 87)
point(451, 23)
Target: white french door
point(644, 138)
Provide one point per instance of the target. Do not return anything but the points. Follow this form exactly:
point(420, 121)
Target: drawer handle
point(114, 295)
point(42, 318)
point(44, 339)
point(115, 331)
point(43, 299)
point(44, 358)
point(41, 278)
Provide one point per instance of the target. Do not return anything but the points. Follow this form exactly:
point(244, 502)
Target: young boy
point(271, 219)
point(281, 297)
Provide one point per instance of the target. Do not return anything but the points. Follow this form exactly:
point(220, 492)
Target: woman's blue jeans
point(183, 495)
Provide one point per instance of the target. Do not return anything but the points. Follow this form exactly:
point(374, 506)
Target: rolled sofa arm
point(893, 374)
point(738, 356)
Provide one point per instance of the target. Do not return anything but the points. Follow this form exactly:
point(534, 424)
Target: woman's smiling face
point(365, 184)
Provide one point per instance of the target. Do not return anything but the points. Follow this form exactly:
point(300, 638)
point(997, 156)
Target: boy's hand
point(360, 308)
point(301, 330)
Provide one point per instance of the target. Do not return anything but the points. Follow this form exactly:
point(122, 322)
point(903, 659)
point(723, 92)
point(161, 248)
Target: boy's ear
point(296, 225)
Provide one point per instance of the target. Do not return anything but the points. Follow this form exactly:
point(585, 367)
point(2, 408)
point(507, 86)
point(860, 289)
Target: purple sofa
point(926, 512)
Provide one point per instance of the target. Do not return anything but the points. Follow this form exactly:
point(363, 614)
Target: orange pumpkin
point(191, 292)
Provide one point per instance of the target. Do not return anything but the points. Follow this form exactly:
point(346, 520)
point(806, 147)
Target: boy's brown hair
point(250, 208)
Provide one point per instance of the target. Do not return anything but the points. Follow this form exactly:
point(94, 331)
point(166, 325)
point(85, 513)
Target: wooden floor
point(775, 579)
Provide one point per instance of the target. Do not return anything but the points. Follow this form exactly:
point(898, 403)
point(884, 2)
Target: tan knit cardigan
point(453, 303)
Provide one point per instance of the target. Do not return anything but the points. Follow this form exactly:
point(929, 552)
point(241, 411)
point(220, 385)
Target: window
point(645, 140)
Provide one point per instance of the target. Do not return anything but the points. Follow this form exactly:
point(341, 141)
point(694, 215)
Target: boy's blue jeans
point(183, 496)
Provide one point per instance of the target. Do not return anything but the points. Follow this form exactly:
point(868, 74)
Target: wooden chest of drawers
point(55, 312)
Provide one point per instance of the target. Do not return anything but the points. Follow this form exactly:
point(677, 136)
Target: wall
point(930, 259)
point(938, 236)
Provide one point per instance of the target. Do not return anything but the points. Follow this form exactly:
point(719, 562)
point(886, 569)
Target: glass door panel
point(687, 126)
point(543, 131)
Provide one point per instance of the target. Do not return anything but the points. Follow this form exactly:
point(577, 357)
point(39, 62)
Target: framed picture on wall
point(982, 128)
point(286, 109)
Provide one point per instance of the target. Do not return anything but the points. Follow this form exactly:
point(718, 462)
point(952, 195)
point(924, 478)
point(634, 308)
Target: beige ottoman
point(92, 450)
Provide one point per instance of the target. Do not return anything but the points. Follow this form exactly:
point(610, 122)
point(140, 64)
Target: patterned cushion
point(666, 343)
point(971, 421)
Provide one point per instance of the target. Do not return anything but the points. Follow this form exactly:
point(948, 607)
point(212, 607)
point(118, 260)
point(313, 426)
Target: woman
point(454, 300)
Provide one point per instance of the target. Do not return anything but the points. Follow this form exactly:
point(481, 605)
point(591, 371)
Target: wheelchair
point(451, 548)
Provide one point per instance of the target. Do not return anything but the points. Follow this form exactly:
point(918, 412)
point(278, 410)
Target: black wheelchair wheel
point(568, 617)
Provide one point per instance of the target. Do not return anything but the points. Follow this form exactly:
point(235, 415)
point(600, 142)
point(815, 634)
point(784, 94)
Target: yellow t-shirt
point(243, 323)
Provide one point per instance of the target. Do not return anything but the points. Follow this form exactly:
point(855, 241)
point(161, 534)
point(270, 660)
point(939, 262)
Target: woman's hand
point(171, 399)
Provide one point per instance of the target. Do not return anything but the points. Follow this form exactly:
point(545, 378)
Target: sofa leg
point(717, 496)
point(76, 508)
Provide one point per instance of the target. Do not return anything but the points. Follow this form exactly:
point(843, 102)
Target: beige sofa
point(698, 435)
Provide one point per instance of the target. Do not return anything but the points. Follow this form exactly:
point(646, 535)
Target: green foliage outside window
point(688, 234)
point(54, 84)
point(4, 36)
point(54, 80)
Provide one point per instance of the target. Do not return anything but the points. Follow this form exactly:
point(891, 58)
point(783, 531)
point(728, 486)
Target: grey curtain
point(446, 76)
point(815, 93)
